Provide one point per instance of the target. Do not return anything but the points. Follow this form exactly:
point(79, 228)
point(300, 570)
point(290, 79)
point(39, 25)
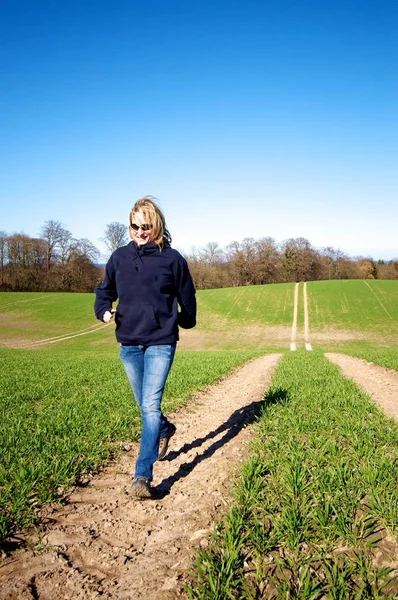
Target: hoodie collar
point(145, 250)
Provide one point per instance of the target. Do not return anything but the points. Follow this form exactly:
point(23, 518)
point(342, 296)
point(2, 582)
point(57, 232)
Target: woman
point(151, 280)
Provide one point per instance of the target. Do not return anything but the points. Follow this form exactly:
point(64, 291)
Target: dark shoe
point(164, 442)
point(141, 488)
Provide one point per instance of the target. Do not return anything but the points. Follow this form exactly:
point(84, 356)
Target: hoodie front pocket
point(137, 320)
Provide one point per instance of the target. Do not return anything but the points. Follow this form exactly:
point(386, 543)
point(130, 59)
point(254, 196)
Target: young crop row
point(316, 500)
point(36, 316)
point(354, 305)
point(63, 415)
point(262, 304)
point(385, 357)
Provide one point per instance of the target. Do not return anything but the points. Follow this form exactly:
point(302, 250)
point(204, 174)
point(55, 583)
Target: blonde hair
point(153, 216)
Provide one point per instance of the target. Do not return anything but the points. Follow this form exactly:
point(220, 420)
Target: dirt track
point(105, 544)
point(381, 384)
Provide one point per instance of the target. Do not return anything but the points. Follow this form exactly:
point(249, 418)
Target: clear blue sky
point(245, 118)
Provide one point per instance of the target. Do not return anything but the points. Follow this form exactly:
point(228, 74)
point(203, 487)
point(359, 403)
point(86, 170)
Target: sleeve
point(106, 293)
point(186, 296)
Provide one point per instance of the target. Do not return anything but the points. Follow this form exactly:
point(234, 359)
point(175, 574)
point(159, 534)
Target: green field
point(261, 304)
point(36, 316)
point(346, 315)
point(262, 314)
point(316, 500)
point(358, 317)
point(361, 306)
point(66, 405)
point(65, 412)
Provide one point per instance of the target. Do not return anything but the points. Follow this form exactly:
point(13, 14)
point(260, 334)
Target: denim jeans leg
point(133, 362)
point(148, 367)
point(158, 361)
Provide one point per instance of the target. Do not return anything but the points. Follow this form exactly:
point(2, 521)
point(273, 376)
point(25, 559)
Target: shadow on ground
point(239, 419)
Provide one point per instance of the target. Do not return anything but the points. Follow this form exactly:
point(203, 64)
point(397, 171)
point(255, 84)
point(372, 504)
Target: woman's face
point(141, 229)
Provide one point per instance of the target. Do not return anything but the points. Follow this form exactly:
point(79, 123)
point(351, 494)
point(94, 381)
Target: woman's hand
point(108, 315)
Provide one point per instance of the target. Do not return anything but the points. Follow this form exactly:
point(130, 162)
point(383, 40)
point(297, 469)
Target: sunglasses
point(143, 227)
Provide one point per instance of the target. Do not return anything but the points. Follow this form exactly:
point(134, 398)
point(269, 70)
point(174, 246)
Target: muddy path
point(103, 543)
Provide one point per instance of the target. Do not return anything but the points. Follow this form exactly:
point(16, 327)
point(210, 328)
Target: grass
point(385, 357)
point(343, 316)
point(260, 304)
point(64, 414)
point(354, 305)
point(315, 500)
point(28, 318)
point(367, 306)
point(327, 451)
point(36, 316)
point(359, 318)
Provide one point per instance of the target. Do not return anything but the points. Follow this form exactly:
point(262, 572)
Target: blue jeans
point(147, 368)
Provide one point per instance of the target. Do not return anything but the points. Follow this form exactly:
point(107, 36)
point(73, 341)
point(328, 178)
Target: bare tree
point(300, 260)
point(332, 260)
point(54, 234)
point(212, 254)
point(59, 262)
point(26, 260)
point(267, 259)
point(116, 235)
point(65, 244)
point(241, 261)
point(83, 248)
point(3, 252)
point(387, 269)
point(79, 273)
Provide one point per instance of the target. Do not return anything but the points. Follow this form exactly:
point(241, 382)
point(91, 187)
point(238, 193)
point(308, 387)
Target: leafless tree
point(59, 262)
point(332, 261)
point(267, 261)
point(300, 260)
point(211, 254)
point(56, 237)
point(387, 269)
point(3, 253)
point(26, 259)
point(83, 248)
point(242, 261)
point(65, 245)
point(116, 235)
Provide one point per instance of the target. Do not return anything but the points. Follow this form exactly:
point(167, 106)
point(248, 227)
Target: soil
point(103, 543)
point(380, 383)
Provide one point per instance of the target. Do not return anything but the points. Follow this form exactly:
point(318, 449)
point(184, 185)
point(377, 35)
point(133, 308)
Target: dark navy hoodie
point(150, 283)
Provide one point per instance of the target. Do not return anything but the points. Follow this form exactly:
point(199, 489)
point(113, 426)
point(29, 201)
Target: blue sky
point(245, 118)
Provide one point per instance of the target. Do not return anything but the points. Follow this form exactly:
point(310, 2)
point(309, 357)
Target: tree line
point(262, 261)
point(58, 262)
point(55, 261)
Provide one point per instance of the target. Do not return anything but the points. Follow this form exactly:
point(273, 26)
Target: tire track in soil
point(103, 543)
point(382, 386)
point(293, 345)
point(306, 320)
point(63, 337)
point(379, 383)
point(378, 299)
